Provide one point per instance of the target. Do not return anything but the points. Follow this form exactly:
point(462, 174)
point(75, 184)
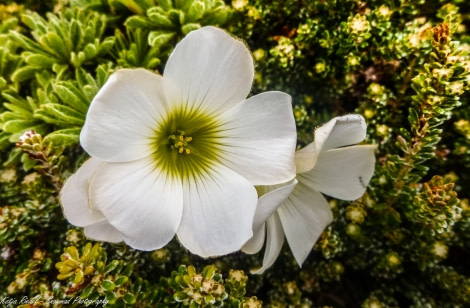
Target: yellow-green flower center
point(188, 143)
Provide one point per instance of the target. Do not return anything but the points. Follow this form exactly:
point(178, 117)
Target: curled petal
point(74, 196)
point(122, 117)
point(211, 71)
point(270, 201)
point(274, 242)
point(343, 173)
point(218, 212)
point(267, 205)
point(260, 138)
point(254, 244)
point(141, 201)
point(304, 216)
point(338, 132)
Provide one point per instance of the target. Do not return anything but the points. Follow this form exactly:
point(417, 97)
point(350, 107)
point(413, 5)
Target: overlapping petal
point(274, 242)
point(343, 173)
point(218, 212)
point(143, 203)
point(304, 216)
point(74, 196)
point(260, 135)
point(211, 70)
point(267, 205)
point(254, 244)
point(123, 116)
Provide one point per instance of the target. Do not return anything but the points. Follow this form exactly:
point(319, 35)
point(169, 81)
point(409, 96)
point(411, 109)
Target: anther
point(180, 141)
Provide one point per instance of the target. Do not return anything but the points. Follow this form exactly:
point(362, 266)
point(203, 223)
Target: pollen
point(180, 142)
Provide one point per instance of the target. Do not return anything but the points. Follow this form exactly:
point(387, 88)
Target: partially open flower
point(297, 209)
point(181, 153)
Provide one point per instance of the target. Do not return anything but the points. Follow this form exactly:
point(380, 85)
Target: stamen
point(180, 142)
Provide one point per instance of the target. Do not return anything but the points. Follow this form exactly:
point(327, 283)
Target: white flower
point(328, 165)
point(181, 153)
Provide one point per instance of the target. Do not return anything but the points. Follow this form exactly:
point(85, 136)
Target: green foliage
point(73, 38)
point(172, 19)
point(403, 65)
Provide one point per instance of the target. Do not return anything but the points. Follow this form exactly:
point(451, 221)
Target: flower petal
point(304, 216)
point(337, 132)
point(218, 212)
point(267, 205)
point(260, 139)
point(306, 158)
point(122, 117)
point(211, 70)
point(254, 244)
point(340, 131)
point(343, 173)
point(141, 201)
point(103, 231)
point(74, 196)
point(270, 201)
point(274, 242)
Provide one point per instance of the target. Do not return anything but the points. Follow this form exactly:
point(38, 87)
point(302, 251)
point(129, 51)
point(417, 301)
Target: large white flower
point(181, 153)
point(328, 165)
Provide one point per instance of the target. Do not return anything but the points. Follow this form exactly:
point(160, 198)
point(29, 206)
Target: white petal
point(74, 196)
point(304, 216)
point(338, 132)
point(267, 205)
point(123, 116)
point(343, 173)
point(141, 201)
point(274, 242)
point(260, 139)
point(254, 244)
point(211, 70)
point(218, 212)
point(103, 232)
point(270, 201)
point(306, 158)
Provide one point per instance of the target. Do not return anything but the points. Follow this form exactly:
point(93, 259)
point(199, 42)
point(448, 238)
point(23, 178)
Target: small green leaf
point(111, 297)
point(64, 137)
point(60, 114)
point(24, 73)
point(39, 60)
point(180, 296)
point(165, 4)
point(159, 38)
point(195, 12)
point(129, 298)
point(55, 44)
point(19, 126)
point(111, 266)
point(139, 22)
point(190, 27)
point(121, 281)
point(108, 285)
